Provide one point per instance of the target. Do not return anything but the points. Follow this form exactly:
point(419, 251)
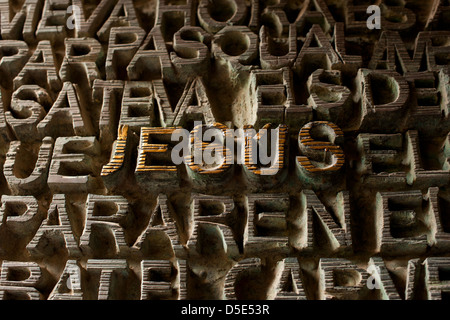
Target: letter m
point(22, 21)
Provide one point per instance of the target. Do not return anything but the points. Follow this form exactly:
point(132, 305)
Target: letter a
point(374, 21)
